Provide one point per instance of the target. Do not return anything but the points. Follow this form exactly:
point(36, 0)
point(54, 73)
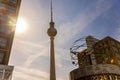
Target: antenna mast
point(51, 12)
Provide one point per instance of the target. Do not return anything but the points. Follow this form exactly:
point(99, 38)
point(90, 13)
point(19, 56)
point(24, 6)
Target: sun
point(21, 25)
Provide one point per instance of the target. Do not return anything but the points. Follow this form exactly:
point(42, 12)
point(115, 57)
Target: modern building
point(100, 61)
point(8, 18)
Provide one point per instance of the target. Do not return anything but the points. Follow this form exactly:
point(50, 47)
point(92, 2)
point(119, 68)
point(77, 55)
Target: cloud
point(36, 57)
point(117, 32)
point(30, 53)
point(117, 27)
point(36, 16)
point(25, 73)
point(69, 30)
point(27, 50)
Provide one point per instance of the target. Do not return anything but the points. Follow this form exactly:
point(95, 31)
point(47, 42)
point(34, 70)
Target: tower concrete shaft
point(52, 61)
point(52, 32)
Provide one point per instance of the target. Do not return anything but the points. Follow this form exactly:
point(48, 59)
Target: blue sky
point(73, 19)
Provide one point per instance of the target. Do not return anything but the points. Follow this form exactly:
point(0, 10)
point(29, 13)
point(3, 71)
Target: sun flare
point(21, 25)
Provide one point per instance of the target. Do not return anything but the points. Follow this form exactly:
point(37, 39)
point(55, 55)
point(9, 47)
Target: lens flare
point(21, 25)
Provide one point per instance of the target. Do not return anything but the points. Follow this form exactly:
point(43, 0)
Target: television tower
point(52, 33)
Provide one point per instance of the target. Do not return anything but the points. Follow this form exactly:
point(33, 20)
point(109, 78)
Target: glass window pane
point(11, 10)
point(3, 42)
point(1, 57)
point(13, 1)
point(4, 29)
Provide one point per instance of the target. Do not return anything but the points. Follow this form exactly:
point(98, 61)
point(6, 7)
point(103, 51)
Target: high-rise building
point(99, 62)
point(8, 18)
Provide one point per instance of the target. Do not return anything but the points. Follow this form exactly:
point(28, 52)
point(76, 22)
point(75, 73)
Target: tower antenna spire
point(51, 11)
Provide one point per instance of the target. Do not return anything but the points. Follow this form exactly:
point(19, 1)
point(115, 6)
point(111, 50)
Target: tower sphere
point(52, 31)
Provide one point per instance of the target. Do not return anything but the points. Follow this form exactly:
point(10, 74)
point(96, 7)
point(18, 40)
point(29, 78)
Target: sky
point(73, 19)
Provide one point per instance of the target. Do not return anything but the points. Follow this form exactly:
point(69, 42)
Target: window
point(1, 57)
point(5, 29)
point(11, 10)
point(13, 1)
point(3, 42)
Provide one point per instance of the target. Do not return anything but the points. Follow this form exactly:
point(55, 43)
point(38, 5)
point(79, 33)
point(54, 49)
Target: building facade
point(100, 61)
point(8, 18)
